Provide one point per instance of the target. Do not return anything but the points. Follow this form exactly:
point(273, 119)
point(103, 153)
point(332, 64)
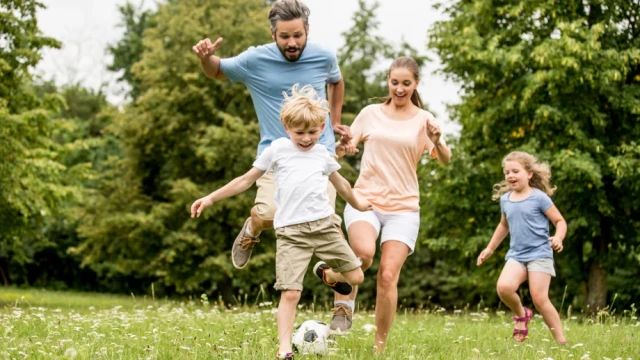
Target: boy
point(302, 220)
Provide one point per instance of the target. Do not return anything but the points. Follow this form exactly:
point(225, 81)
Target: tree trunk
point(597, 287)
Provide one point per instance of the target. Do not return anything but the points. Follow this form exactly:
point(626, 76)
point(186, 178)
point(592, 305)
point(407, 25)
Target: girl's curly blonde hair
point(303, 109)
point(541, 178)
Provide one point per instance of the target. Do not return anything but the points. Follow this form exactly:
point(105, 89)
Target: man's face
point(291, 38)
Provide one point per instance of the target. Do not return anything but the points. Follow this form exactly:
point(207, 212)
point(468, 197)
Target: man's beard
point(296, 57)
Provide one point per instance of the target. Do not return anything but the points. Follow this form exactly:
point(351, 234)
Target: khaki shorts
point(265, 199)
point(296, 245)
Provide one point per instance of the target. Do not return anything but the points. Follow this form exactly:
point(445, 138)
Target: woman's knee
point(388, 277)
point(367, 260)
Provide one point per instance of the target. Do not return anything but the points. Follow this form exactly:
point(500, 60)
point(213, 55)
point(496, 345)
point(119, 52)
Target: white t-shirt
point(301, 181)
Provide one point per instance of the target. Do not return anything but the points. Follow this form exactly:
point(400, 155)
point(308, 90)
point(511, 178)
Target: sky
point(86, 27)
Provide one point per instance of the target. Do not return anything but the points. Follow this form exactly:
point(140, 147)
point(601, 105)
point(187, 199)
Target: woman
point(396, 134)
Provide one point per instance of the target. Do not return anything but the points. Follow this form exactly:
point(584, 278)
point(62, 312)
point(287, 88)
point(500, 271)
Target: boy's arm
point(498, 235)
point(344, 189)
point(234, 187)
point(561, 227)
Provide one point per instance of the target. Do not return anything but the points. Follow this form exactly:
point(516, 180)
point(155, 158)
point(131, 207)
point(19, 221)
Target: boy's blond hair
point(303, 109)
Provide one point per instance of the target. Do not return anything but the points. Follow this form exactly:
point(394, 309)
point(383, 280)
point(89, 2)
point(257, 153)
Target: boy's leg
point(293, 254)
point(539, 287)
point(286, 318)
point(512, 276)
point(261, 219)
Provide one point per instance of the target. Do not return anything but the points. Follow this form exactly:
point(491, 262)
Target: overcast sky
point(85, 27)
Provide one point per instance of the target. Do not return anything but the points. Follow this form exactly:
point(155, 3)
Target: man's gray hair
point(287, 10)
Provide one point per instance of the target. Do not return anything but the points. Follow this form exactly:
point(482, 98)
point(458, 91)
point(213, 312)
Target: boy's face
point(305, 139)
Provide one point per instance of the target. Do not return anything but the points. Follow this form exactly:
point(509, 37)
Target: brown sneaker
point(342, 319)
point(242, 247)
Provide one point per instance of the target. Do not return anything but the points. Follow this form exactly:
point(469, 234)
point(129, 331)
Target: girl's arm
point(561, 227)
point(234, 187)
point(344, 189)
point(501, 232)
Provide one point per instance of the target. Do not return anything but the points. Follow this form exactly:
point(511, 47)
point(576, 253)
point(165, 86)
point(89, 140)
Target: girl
point(396, 134)
point(526, 211)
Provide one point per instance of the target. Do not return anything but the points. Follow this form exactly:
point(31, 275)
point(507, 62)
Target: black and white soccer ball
point(311, 337)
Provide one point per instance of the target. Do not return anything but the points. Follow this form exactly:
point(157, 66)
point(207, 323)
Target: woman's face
point(402, 84)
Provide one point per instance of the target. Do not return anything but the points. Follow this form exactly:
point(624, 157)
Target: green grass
point(39, 324)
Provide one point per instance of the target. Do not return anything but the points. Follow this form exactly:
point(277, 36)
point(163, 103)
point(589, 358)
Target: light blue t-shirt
point(528, 226)
point(266, 73)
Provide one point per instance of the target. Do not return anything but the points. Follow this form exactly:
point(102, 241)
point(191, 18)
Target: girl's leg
point(394, 254)
point(512, 276)
point(286, 318)
point(539, 287)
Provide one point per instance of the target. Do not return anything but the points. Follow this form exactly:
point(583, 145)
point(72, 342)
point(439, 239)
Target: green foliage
point(560, 80)
point(184, 136)
point(34, 181)
point(128, 50)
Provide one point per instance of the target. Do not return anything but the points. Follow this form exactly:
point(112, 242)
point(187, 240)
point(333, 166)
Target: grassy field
point(38, 324)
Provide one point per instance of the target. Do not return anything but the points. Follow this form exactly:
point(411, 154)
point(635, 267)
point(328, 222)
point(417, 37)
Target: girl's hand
point(199, 205)
point(556, 244)
point(484, 255)
point(433, 131)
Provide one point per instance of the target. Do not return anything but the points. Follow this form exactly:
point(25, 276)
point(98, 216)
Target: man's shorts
point(296, 244)
point(540, 265)
point(401, 226)
point(265, 198)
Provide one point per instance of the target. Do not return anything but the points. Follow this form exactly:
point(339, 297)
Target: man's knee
point(259, 219)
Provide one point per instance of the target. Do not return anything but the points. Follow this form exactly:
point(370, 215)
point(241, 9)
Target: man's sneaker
point(339, 287)
point(242, 247)
point(342, 319)
point(285, 356)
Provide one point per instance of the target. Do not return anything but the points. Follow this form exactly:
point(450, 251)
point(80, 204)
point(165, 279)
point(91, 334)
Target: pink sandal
point(528, 314)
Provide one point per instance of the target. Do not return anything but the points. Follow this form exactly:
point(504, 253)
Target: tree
point(128, 50)
point(33, 182)
point(182, 137)
point(560, 80)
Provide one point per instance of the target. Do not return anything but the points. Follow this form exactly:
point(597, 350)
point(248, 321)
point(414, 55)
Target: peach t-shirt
point(392, 150)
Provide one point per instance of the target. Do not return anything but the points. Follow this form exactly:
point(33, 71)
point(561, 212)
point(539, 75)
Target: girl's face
point(516, 175)
point(402, 84)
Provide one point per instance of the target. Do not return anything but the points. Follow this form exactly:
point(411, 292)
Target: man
point(267, 71)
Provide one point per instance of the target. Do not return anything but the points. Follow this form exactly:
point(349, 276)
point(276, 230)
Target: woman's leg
point(539, 287)
point(394, 254)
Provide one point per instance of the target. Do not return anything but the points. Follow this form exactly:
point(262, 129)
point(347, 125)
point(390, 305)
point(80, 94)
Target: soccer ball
point(311, 337)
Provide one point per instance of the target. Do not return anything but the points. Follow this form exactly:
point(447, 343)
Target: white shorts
point(400, 226)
